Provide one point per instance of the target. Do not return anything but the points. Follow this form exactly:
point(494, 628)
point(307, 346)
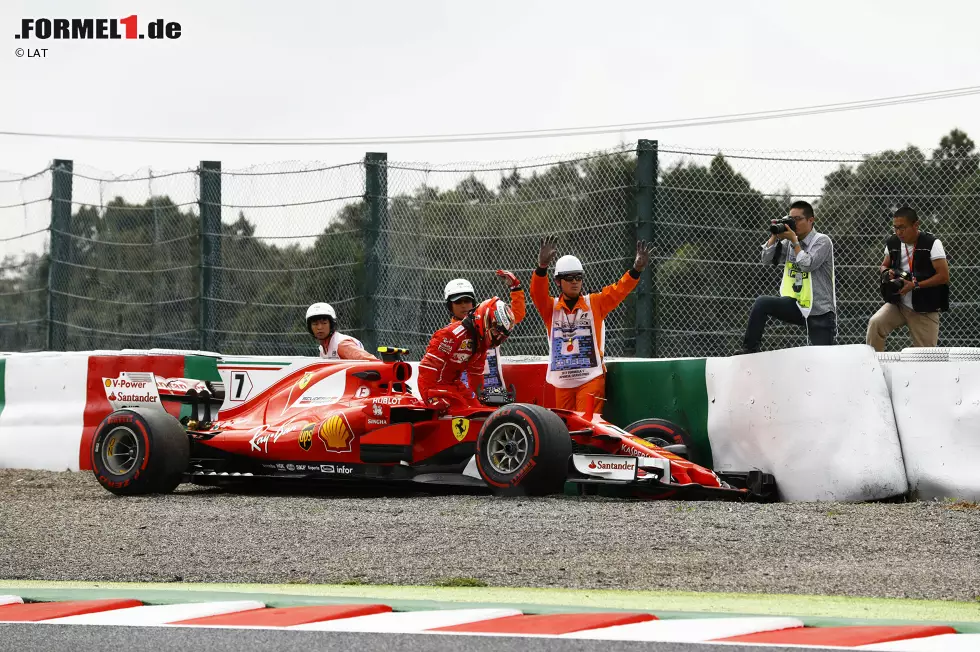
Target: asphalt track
point(94, 638)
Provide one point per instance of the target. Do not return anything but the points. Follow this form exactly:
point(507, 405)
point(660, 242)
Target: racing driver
point(461, 299)
point(462, 347)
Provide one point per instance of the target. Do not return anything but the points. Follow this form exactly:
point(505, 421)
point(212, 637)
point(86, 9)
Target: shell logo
point(108, 383)
point(335, 434)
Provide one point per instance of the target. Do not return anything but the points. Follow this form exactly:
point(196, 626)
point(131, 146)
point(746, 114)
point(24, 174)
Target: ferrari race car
point(360, 421)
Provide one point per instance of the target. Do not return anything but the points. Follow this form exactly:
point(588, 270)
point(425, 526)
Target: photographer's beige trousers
point(924, 326)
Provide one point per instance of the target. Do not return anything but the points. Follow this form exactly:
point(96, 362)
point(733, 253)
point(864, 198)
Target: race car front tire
point(663, 433)
point(139, 451)
point(523, 449)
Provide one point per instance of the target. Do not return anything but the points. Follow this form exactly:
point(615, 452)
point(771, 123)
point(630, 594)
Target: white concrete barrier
point(937, 412)
point(41, 417)
point(818, 418)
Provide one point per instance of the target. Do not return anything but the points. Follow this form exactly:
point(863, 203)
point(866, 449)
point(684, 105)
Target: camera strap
point(775, 258)
point(911, 257)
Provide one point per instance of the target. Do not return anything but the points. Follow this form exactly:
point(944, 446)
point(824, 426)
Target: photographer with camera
point(807, 294)
point(914, 283)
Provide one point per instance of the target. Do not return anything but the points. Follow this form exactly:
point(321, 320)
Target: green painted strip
point(201, 368)
point(3, 381)
point(666, 389)
point(815, 611)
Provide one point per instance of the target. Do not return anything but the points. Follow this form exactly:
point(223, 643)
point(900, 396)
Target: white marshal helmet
point(319, 310)
point(459, 288)
point(568, 265)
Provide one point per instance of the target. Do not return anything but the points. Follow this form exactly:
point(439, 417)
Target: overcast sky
point(322, 68)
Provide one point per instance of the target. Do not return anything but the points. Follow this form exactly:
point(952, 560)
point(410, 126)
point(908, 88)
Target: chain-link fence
point(445, 222)
point(290, 236)
point(25, 214)
point(124, 260)
point(712, 215)
point(229, 260)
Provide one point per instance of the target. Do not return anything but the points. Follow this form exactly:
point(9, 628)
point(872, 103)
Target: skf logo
point(305, 380)
point(335, 434)
point(460, 428)
point(306, 436)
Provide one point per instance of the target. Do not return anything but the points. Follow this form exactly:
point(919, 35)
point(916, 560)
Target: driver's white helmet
point(459, 288)
point(320, 310)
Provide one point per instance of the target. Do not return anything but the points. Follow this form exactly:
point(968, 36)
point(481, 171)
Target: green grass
point(454, 592)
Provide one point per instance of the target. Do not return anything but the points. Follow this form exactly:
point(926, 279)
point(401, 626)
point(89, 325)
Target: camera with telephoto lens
point(782, 224)
point(890, 287)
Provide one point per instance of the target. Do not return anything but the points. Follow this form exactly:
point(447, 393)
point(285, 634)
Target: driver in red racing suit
point(462, 346)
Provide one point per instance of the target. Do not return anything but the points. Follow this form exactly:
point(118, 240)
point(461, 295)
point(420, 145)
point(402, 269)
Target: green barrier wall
point(666, 389)
point(201, 367)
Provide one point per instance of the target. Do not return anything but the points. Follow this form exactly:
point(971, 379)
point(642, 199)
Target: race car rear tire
point(138, 451)
point(661, 432)
point(523, 449)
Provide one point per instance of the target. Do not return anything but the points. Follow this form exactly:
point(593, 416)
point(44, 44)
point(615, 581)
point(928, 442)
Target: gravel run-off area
point(64, 526)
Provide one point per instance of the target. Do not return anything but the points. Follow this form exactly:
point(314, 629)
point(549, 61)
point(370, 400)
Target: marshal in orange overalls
point(576, 338)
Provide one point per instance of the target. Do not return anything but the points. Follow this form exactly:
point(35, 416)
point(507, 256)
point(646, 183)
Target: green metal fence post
point(645, 178)
point(61, 194)
point(376, 196)
point(210, 250)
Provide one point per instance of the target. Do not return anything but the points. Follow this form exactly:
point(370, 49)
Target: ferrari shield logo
point(305, 380)
point(460, 428)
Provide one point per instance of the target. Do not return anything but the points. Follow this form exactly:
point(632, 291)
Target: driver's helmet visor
point(498, 334)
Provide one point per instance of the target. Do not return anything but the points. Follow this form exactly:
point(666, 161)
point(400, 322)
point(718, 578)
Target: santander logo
point(626, 465)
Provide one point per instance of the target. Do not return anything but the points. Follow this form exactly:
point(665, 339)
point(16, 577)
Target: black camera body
point(782, 224)
point(890, 287)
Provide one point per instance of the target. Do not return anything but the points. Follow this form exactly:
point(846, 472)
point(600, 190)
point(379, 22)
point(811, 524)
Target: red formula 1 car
point(360, 421)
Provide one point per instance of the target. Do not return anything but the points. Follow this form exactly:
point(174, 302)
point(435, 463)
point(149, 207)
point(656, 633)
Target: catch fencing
point(228, 260)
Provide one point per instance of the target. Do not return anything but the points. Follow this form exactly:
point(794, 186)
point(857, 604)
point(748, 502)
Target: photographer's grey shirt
point(817, 257)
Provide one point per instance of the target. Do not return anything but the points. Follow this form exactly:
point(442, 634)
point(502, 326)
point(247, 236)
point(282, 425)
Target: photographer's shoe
point(744, 351)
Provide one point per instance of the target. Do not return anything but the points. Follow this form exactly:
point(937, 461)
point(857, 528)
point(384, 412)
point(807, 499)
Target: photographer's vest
point(574, 356)
point(334, 344)
point(932, 299)
point(796, 284)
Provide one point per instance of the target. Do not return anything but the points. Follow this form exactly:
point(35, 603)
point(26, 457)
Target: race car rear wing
point(204, 397)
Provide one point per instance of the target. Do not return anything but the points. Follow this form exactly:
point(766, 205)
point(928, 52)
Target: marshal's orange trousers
point(577, 398)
